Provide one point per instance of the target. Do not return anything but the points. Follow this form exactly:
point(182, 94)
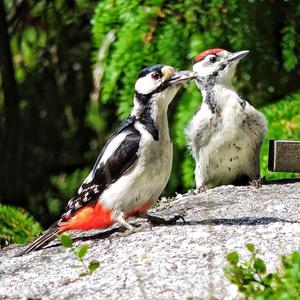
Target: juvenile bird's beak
point(181, 77)
point(236, 56)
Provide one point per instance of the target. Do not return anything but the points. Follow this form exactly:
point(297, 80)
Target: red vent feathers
point(203, 54)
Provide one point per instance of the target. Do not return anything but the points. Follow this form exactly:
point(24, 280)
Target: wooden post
point(284, 156)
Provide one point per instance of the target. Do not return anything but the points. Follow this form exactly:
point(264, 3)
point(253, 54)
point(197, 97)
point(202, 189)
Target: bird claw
point(154, 220)
point(257, 183)
point(192, 192)
point(128, 232)
point(200, 189)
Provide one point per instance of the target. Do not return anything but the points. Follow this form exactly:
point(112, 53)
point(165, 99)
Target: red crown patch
point(203, 54)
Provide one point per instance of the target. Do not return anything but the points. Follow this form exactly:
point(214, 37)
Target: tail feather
point(91, 216)
point(41, 241)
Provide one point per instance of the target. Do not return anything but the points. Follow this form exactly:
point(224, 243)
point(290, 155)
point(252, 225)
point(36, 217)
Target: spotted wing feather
point(105, 173)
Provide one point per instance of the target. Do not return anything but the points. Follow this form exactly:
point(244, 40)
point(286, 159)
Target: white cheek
point(231, 68)
point(146, 85)
point(203, 69)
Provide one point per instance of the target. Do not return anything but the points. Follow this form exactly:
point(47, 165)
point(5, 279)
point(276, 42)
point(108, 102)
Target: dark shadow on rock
point(251, 221)
point(282, 181)
point(96, 236)
point(100, 235)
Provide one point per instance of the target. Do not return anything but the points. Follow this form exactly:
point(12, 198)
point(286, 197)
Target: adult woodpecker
point(226, 134)
point(134, 166)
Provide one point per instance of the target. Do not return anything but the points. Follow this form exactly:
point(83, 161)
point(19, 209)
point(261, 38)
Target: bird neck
point(153, 117)
point(215, 92)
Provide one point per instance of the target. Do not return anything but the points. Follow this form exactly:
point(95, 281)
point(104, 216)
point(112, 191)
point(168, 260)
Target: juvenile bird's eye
point(213, 59)
point(155, 75)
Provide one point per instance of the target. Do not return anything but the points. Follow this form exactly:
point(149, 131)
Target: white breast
point(226, 144)
point(146, 180)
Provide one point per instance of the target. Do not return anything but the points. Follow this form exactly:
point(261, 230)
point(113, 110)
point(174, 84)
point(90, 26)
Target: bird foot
point(192, 192)
point(155, 221)
point(129, 231)
point(257, 183)
point(200, 189)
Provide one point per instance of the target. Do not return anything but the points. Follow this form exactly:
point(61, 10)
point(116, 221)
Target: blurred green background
point(68, 69)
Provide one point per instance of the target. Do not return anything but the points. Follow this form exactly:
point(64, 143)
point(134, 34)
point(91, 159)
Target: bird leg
point(257, 183)
point(202, 189)
point(121, 220)
point(129, 228)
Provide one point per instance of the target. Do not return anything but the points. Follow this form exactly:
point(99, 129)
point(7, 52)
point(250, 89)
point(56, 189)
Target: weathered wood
point(284, 156)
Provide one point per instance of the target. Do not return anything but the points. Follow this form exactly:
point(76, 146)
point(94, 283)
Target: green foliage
point(61, 131)
point(93, 265)
point(79, 253)
point(133, 22)
point(66, 241)
point(284, 123)
point(289, 40)
point(17, 225)
point(254, 282)
point(63, 187)
point(51, 51)
point(173, 32)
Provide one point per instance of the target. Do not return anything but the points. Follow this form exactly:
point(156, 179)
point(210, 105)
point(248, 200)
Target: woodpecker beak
point(181, 77)
point(236, 56)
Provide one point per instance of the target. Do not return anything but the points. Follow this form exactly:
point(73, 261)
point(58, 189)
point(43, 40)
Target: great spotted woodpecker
point(134, 166)
point(226, 134)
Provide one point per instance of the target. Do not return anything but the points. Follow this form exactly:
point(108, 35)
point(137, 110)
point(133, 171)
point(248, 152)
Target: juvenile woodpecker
point(134, 166)
point(226, 134)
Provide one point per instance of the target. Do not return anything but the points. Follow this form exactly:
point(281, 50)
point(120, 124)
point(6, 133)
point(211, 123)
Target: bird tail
point(44, 239)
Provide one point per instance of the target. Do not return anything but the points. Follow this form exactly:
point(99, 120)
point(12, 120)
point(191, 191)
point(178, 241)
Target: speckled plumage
point(226, 134)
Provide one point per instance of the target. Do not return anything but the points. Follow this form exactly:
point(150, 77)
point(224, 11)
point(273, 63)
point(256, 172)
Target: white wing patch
point(112, 147)
point(89, 178)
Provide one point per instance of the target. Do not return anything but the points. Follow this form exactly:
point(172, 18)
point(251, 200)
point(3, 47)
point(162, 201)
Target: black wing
point(127, 124)
point(103, 174)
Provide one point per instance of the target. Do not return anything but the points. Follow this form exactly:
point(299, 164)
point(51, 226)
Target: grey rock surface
point(165, 262)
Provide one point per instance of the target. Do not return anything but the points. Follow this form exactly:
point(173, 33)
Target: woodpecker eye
point(155, 75)
point(213, 59)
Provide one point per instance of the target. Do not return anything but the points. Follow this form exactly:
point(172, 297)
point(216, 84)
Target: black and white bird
point(226, 134)
point(134, 166)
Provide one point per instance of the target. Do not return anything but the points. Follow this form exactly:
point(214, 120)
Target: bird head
point(217, 64)
point(160, 83)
